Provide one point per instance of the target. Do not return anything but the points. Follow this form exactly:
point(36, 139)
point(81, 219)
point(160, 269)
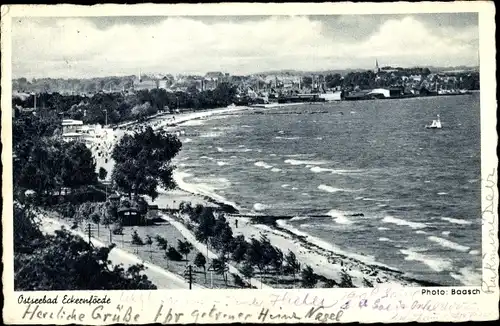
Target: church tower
point(377, 69)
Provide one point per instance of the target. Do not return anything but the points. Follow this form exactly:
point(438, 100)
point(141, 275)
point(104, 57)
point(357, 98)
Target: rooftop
point(69, 122)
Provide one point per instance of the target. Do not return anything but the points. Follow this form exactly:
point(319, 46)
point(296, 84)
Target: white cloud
point(76, 47)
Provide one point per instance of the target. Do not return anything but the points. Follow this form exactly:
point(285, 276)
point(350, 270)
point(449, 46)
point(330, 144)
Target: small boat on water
point(436, 124)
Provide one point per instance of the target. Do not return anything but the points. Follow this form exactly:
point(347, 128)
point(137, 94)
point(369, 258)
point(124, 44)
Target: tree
point(247, 271)
point(102, 173)
point(220, 267)
point(268, 252)
point(223, 235)
point(200, 261)
point(45, 165)
point(277, 261)
point(186, 208)
point(256, 256)
point(293, 264)
point(184, 247)
point(205, 229)
point(143, 162)
point(333, 81)
point(161, 242)
point(149, 242)
point(78, 166)
point(163, 245)
point(309, 279)
point(239, 248)
point(307, 81)
point(27, 234)
point(96, 218)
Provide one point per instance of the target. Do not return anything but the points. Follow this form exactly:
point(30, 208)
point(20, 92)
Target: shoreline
point(323, 260)
point(327, 262)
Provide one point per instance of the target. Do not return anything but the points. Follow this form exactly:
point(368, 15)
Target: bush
point(185, 208)
point(367, 284)
point(238, 281)
point(84, 211)
point(173, 254)
point(328, 283)
point(309, 279)
point(136, 239)
point(345, 280)
point(67, 210)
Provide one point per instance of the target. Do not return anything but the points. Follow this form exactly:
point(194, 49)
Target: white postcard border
point(381, 304)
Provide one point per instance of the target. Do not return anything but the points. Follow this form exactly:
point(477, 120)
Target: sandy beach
point(325, 259)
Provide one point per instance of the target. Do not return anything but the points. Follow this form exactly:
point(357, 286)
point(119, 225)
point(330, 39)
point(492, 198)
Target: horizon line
point(256, 73)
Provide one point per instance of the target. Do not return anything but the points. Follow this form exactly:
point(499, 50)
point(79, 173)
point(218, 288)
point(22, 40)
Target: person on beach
point(236, 223)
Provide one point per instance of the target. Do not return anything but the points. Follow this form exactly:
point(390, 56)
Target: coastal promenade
point(326, 261)
point(162, 278)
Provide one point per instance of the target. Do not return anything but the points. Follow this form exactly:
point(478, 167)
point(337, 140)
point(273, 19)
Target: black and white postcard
point(249, 163)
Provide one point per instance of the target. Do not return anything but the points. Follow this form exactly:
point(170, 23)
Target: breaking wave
point(456, 220)
point(437, 264)
point(339, 217)
point(448, 244)
point(397, 221)
point(263, 165)
point(299, 162)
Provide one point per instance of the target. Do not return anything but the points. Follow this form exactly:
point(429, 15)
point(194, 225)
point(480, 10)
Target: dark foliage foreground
point(65, 262)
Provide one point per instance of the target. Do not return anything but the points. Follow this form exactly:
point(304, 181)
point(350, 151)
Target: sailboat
point(436, 124)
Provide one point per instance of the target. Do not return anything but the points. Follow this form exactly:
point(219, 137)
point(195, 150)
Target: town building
point(140, 83)
point(164, 83)
point(332, 96)
point(71, 126)
point(145, 85)
point(377, 68)
point(130, 216)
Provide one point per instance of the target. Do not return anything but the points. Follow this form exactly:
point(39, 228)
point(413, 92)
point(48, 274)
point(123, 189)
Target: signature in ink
point(489, 220)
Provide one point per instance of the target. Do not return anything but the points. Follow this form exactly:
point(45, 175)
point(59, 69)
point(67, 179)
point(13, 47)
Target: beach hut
point(130, 216)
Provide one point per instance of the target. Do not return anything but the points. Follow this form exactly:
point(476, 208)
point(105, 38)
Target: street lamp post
point(106, 121)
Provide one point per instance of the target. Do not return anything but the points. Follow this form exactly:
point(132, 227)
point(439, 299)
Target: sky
point(85, 47)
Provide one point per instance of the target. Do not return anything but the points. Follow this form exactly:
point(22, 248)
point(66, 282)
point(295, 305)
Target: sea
point(363, 176)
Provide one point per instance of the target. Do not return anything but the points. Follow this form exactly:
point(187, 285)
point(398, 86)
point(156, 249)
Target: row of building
point(76, 130)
